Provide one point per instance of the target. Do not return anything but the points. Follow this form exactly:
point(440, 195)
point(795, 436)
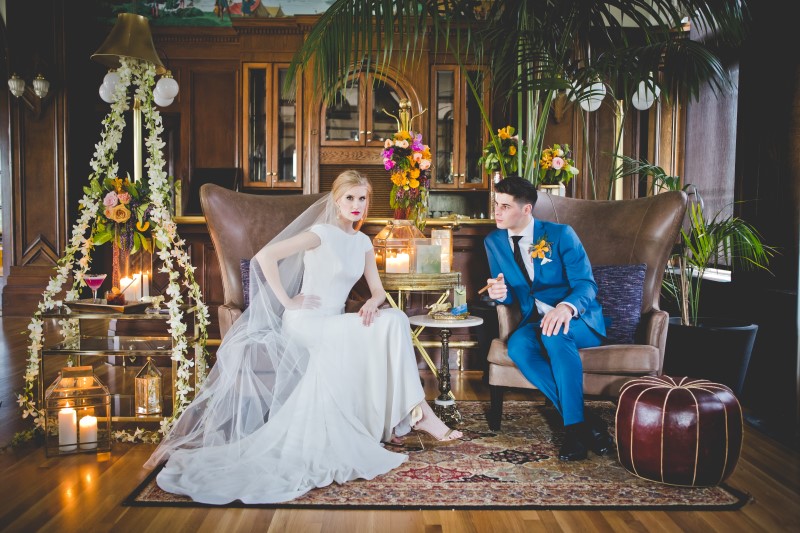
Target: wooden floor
point(83, 492)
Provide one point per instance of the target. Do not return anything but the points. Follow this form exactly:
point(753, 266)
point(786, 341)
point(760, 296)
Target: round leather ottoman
point(679, 431)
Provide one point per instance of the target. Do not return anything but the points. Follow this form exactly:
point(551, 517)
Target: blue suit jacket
point(566, 278)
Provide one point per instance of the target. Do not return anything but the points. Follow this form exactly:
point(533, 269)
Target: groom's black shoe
point(596, 436)
point(573, 448)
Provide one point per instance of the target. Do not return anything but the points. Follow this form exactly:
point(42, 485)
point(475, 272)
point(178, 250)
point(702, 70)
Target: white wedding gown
point(360, 385)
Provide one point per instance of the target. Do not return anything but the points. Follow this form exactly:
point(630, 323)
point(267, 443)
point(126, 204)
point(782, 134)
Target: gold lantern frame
point(74, 396)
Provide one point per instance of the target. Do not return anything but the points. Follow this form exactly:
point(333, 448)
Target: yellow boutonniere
point(541, 250)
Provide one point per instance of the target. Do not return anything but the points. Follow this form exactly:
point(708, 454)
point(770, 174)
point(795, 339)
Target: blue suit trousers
point(559, 376)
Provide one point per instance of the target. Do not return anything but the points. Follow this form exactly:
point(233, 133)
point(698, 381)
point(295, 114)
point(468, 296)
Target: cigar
point(486, 288)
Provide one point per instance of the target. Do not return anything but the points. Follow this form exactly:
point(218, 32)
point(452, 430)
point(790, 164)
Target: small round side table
point(445, 406)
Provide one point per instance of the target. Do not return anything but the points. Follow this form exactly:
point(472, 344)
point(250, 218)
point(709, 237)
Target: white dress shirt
point(524, 244)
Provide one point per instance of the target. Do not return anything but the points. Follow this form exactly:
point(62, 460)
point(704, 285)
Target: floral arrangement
point(556, 165)
point(501, 152)
point(409, 161)
point(126, 213)
point(541, 250)
point(171, 250)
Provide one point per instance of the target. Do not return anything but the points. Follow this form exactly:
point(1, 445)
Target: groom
point(543, 266)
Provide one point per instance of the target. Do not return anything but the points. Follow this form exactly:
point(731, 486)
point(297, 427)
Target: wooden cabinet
point(459, 132)
point(357, 117)
point(271, 128)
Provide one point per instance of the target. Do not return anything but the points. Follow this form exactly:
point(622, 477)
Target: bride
point(302, 393)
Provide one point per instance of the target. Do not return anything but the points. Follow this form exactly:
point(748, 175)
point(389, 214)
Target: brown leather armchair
point(613, 232)
point(240, 225)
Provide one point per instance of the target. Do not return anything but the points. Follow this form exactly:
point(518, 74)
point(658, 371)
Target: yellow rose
point(512, 150)
point(414, 183)
point(118, 213)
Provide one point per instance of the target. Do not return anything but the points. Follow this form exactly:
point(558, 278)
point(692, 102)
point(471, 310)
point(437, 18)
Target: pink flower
point(402, 144)
point(389, 164)
point(425, 164)
point(558, 163)
point(111, 199)
point(124, 198)
point(388, 143)
point(416, 156)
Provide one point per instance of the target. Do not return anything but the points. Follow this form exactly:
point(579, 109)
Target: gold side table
point(445, 404)
point(404, 284)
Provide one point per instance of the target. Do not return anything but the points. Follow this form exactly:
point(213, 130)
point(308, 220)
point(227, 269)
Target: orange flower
point(512, 150)
point(540, 250)
point(142, 227)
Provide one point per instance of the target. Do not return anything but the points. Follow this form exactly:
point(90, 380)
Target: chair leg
point(495, 407)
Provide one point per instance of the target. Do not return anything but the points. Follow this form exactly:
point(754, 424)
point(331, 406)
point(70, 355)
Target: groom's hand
point(555, 318)
point(497, 287)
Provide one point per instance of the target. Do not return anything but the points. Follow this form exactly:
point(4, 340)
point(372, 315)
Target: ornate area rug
point(516, 468)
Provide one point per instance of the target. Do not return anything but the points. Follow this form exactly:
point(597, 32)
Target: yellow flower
point(540, 250)
point(398, 178)
point(414, 173)
point(512, 150)
point(117, 185)
point(504, 133)
point(414, 183)
point(142, 227)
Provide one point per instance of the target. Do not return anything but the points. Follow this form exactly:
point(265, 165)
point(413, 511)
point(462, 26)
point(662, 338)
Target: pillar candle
point(88, 426)
point(146, 286)
point(398, 264)
point(67, 429)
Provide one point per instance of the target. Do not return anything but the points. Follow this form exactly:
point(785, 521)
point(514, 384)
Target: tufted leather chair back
point(623, 232)
point(240, 225)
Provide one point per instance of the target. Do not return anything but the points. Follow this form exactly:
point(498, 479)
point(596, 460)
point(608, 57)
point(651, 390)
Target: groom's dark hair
point(521, 189)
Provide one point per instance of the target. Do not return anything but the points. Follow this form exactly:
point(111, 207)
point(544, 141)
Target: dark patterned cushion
point(619, 291)
point(244, 265)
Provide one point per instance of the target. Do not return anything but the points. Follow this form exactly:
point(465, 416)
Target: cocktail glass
point(94, 281)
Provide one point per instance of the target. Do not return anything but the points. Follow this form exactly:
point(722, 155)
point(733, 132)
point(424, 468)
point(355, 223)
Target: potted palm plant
point(713, 348)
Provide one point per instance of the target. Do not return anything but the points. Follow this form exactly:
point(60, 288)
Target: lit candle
point(132, 287)
point(88, 426)
point(146, 286)
point(84, 382)
point(398, 264)
point(67, 429)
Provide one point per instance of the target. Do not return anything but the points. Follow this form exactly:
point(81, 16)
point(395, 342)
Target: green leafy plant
point(704, 243)
point(502, 152)
point(711, 243)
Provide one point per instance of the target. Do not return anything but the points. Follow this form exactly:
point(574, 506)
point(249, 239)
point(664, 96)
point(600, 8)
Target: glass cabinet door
point(445, 147)
point(271, 138)
point(460, 132)
point(357, 116)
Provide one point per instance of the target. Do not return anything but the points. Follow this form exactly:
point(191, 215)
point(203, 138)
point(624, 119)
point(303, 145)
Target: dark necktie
point(518, 258)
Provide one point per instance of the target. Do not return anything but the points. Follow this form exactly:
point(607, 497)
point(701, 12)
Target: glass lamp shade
point(394, 246)
point(148, 390)
point(40, 86)
point(167, 87)
point(77, 409)
point(160, 100)
point(106, 94)
point(110, 80)
point(591, 98)
point(645, 95)
point(16, 85)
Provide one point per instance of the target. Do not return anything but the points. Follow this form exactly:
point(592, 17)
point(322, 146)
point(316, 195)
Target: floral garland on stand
point(171, 251)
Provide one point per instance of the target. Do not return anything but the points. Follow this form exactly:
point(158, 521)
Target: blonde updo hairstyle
point(346, 181)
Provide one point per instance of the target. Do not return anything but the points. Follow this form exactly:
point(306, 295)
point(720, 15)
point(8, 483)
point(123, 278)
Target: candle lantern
point(77, 413)
point(394, 246)
point(444, 238)
point(147, 391)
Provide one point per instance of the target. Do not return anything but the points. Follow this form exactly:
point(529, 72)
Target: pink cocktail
point(94, 281)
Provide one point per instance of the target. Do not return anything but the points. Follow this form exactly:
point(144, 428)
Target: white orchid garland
point(171, 251)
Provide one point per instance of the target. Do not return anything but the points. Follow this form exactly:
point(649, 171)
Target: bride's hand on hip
point(368, 312)
point(303, 301)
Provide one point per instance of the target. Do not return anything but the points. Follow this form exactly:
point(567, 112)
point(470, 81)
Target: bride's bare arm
point(269, 256)
point(369, 310)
